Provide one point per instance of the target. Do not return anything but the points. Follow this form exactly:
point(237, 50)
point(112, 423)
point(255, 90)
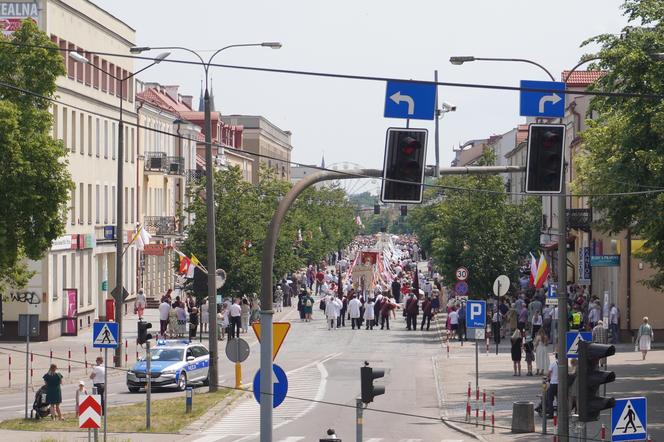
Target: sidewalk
point(634, 377)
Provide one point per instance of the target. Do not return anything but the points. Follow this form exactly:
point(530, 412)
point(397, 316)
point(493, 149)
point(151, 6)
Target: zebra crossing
point(305, 384)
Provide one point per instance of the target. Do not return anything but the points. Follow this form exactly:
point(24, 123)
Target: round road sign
point(501, 285)
point(237, 350)
point(461, 288)
point(461, 274)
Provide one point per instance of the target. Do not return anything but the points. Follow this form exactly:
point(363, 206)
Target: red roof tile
point(581, 78)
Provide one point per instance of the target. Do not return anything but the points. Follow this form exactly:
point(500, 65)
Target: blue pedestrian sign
point(475, 314)
point(105, 335)
point(629, 419)
point(416, 101)
point(542, 104)
point(279, 389)
point(573, 338)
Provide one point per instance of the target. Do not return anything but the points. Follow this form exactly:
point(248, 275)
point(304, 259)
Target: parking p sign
point(475, 314)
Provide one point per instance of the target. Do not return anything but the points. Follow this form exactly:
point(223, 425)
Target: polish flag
point(533, 269)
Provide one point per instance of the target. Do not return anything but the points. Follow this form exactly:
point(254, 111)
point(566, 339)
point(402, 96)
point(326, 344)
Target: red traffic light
point(410, 145)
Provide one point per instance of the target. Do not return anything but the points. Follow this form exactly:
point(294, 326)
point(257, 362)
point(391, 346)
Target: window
point(79, 67)
point(125, 84)
point(89, 136)
point(72, 281)
point(105, 203)
point(118, 83)
point(82, 133)
point(113, 140)
point(131, 143)
point(88, 69)
point(81, 213)
point(81, 281)
point(64, 271)
point(71, 66)
point(104, 75)
point(63, 53)
point(132, 219)
point(98, 136)
point(105, 139)
point(126, 143)
point(126, 202)
point(72, 207)
point(54, 278)
point(113, 204)
point(89, 272)
point(89, 203)
point(95, 72)
point(65, 127)
point(111, 80)
point(55, 121)
point(97, 204)
point(74, 133)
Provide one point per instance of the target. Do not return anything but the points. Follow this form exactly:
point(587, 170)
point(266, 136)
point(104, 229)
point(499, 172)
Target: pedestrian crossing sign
point(629, 419)
point(105, 335)
point(573, 338)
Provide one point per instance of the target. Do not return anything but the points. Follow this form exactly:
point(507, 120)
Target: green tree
point(34, 181)
point(624, 145)
point(479, 229)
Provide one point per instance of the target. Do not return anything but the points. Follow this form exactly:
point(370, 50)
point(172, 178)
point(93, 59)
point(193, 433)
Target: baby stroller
point(40, 409)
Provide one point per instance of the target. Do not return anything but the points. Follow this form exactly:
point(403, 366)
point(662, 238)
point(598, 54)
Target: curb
point(442, 407)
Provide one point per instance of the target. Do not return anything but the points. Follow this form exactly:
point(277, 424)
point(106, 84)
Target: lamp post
point(213, 372)
point(563, 403)
point(118, 291)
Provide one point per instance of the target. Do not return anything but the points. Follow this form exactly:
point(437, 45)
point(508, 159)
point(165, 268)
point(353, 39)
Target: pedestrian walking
point(164, 311)
point(245, 311)
point(426, 313)
point(645, 337)
point(181, 315)
point(53, 381)
point(541, 353)
point(529, 349)
point(279, 298)
point(412, 310)
point(387, 310)
point(193, 323)
point(522, 318)
point(552, 390)
point(370, 314)
point(614, 319)
point(354, 306)
point(97, 377)
point(308, 306)
point(537, 322)
point(235, 317)
point(205, 316)
point(517, 343)
point(453, 318)
point(140, 303)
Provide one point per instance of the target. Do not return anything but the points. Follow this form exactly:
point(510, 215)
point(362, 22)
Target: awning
point(554, 244)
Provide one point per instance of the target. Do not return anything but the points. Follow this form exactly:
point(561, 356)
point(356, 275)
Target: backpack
point(307, 303)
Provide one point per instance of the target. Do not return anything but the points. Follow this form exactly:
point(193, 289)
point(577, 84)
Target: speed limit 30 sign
point(461, 274)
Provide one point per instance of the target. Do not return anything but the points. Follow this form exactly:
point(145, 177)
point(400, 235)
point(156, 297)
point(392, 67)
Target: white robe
point(332, 307)
point(369, 311)
point(354, 308)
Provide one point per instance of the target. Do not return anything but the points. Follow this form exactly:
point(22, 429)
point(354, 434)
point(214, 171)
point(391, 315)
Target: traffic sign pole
point(104, 409)
point(148, 389)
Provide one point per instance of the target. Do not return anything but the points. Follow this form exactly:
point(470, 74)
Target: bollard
point(126, 352)
point(85, 355)
point(448, 350)
point(69, 362)
point(468, 404)
point(484, 409)
point(493, 417)
point(32, 357)
point(10, 371)
point(555, 427)
point(602, 433)
point(50, 356)
point(477, 406)
point(189, 399)
point(544, 410)
point(487, 345)
point(523, 417)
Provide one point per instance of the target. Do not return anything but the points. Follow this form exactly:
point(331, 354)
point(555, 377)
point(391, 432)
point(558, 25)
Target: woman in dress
point(172, 322)
point(645, 337)
point(205, 316)
point(141, 301)
point(529, 348)
point(541, 353)
point(53, 381)
point(181, 315)
point(517, 342)
point(245, 311)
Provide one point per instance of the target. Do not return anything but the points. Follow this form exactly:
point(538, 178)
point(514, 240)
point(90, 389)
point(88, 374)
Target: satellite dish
point(220, 278)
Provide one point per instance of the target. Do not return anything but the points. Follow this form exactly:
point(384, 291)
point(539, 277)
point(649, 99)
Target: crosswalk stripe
point(292, 439)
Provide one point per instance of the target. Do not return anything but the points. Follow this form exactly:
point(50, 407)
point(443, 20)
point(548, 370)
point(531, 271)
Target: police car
point(173, 363)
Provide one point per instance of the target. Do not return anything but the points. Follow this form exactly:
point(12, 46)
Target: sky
point(343, 119)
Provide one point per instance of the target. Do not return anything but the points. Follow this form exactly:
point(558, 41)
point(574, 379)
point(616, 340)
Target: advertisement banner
point(71, 312)
point(584, 266)
point(12, 15)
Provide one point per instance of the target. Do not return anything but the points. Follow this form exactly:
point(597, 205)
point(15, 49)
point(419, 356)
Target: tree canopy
point(34, 181)
point(477, 228)
point(319, 222)
point(624, 145)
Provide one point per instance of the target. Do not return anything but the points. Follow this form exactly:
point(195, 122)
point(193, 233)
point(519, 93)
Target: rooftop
point(581, 78)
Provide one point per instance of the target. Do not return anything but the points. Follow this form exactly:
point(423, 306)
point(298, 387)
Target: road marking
point(292, 439)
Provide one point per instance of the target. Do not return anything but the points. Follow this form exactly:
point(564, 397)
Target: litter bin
point(523, 417)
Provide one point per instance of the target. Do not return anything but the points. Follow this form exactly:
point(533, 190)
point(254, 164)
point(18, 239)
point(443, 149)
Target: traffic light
point(546, 156)
point(143, 335)
point(589, 378)
point(405, 153)
point(369, 390)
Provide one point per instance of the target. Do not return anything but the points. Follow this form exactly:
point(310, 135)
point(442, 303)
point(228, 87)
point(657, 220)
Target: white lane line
point(291, 439)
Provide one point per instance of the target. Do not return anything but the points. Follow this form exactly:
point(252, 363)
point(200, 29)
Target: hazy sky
point(404, 39)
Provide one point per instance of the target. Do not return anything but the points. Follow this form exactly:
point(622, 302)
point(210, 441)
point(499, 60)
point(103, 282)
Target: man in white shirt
point(98, 381)
point(164, 310)
point(553, 386)
point(354, 311)
point(614, 317)
point(454, 321)
point(235, 316)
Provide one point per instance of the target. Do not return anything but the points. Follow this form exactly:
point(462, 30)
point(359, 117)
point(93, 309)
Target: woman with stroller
point(53, 381)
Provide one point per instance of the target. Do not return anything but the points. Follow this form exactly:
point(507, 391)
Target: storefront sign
point(605, 261)
point(62, 243)
point(153, 249)
point(86, 241)
point(12, 15)
point(584, 265)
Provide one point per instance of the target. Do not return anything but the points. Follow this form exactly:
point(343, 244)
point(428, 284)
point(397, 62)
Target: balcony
point(160, 225)
point(156, 162)
point(579, 219)
point(194, 176)
point(175, 165)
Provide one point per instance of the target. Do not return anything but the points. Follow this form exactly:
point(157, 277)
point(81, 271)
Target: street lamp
point(118, 291)
point(213, 371)
point(459, 60)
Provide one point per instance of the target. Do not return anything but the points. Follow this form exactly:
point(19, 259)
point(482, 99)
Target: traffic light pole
point(563, 392)
point(148, 389)
point(267, 267)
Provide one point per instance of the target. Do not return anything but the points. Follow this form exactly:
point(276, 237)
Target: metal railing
point(580, 219)
point(194, 176)
point(175, 165)
point(160, 225)
point(156, 162)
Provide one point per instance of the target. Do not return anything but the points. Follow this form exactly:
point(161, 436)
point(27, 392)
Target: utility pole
point(563, 393)
point(436, 172)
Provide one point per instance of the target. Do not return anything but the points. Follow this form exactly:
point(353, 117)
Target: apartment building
point(74, 279)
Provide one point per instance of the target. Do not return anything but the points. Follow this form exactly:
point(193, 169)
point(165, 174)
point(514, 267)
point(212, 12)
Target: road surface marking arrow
point(554, 98)
point(398, 98)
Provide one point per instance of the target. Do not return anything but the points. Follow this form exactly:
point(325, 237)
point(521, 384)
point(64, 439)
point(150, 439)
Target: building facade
point(74, 279)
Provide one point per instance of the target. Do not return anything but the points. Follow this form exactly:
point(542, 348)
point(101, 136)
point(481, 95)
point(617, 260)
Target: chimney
point(172, 91)
point(188, 100)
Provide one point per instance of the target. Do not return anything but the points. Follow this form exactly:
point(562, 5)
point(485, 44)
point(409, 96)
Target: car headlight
point(131, 372)
point(168, 372)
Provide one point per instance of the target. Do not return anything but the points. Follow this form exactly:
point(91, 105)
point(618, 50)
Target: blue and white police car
point(173, 363)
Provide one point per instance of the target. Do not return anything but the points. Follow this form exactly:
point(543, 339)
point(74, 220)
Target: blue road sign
point(573, 338)
point(279, 389)
point(542, 104)
point(475, 314)
point(629, 419)
point(105, 334)
point(416, 101)
point(461, 288)
point(553, 291)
